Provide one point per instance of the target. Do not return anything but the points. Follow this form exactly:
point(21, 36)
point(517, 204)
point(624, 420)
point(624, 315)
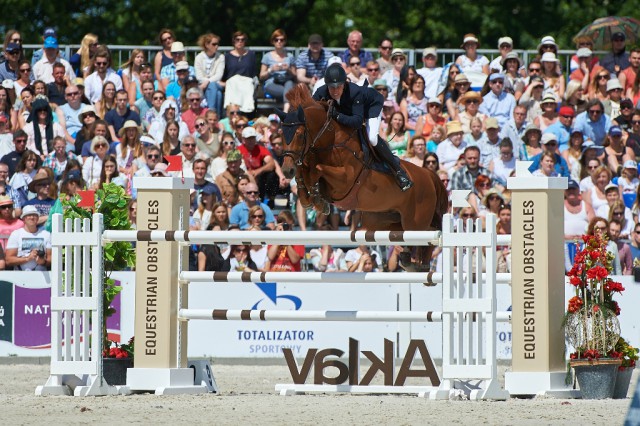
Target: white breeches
point(373, 128)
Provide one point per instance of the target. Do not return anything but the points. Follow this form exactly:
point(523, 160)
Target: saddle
point(370, 157)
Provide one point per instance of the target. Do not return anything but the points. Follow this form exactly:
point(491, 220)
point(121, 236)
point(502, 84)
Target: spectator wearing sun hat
point(29, 248)
point(431, 72)
point(450, 149)
point(614, 98)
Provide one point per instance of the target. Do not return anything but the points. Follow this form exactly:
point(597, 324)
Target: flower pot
point(114, 370)
point(622, 382)
point(596, 378)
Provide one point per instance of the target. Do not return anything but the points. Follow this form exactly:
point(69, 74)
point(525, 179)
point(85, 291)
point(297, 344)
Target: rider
point(352, 105)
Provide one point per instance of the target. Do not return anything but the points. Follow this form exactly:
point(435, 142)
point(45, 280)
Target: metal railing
point(120, 53)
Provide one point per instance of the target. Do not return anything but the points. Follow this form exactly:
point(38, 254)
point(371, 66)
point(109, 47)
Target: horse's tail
point(442, 202)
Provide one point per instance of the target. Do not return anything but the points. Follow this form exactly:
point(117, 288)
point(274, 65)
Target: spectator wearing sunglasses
point(593, 122)
point(240, 212)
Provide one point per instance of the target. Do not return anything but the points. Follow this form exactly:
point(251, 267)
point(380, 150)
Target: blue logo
point(271, 291)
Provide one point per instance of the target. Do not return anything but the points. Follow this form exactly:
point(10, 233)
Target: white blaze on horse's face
point(336, 92)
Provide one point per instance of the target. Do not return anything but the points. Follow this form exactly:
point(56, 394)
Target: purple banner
point(32, 317)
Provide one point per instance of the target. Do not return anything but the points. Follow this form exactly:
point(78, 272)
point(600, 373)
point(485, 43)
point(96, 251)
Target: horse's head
point(293, 130)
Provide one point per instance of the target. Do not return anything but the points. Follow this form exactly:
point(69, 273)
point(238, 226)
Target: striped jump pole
point(427, 278)
point(341, 238)
point(360, 316)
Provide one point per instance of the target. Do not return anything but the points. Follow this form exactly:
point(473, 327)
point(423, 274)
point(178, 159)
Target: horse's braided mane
point(299, 96)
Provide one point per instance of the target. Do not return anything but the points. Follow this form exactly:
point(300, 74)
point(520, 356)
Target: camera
point(41, 253)
point(285, 226)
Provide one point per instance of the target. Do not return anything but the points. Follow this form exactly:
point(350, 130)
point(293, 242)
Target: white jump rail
point(76, 310)
point(346, 316)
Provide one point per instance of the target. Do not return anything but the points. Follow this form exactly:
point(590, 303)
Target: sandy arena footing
point(248, 396)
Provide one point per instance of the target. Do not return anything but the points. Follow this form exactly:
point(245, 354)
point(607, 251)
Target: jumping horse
point(330, 166)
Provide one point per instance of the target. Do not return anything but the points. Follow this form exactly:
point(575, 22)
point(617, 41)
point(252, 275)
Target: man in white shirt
point(28, 248)
point(103, 73)
point(43, 69)
point(430, 72)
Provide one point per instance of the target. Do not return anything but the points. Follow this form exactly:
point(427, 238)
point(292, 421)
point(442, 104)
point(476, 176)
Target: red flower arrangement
point(124, 350)
point(592, 326)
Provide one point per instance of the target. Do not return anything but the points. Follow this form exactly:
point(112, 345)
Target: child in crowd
point(438, 134)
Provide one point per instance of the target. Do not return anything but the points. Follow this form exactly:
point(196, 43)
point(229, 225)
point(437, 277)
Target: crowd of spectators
point(77, 123)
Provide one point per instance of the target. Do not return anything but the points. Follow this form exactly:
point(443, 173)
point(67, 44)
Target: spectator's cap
point(548, 137)
point(29, 210)
point(454, 127)
point(626, 103)
point(334, 60)
point(208, 190)
point(50, 43)
point(50, 32)
point(79, 81)
point(435, 100)
point(160, 169)
point(274, 117)
point(549, 98)
point(74, 176)
point(567, 111)
point(461, 78)
point(610, 186)
point(613, 84)
point(177, 47)
point(13, 47)
point(182, 65)
point(548, 57)
point(190, 80)
point(511, 55)
point(618, 36)
point(536, 79)
point(398, 52)
point(315, 38)
point(491, 123)
point(388, 103)
point(249, 132)
point(429, 51)
point(470, 38)
point(505, 40)
point(576, 130)
point(589, 144)
point(615, 131)
point(87, 109)
point(5, 200)
point(380, 83)
point(495, 76)
point(147, 140)
point(573, 184)
point(129, 124)
point(547, 40)
point(630, 164)
point(41, 177)
point(584, 52)
point(234, 155)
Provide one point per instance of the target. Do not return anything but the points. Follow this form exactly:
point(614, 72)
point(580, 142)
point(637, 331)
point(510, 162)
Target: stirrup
point(403, 181)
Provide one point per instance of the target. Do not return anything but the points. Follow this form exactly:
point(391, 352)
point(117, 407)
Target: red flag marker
point(175, 163)
point(87, 199)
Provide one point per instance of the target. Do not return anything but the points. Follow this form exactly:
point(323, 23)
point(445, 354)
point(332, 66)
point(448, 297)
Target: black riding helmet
point(335, 75)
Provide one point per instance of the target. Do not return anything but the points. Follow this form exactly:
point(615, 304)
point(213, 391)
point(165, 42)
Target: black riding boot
point(385, 154)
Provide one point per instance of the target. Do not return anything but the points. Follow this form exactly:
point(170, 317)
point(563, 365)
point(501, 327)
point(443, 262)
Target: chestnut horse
point(331, 167)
